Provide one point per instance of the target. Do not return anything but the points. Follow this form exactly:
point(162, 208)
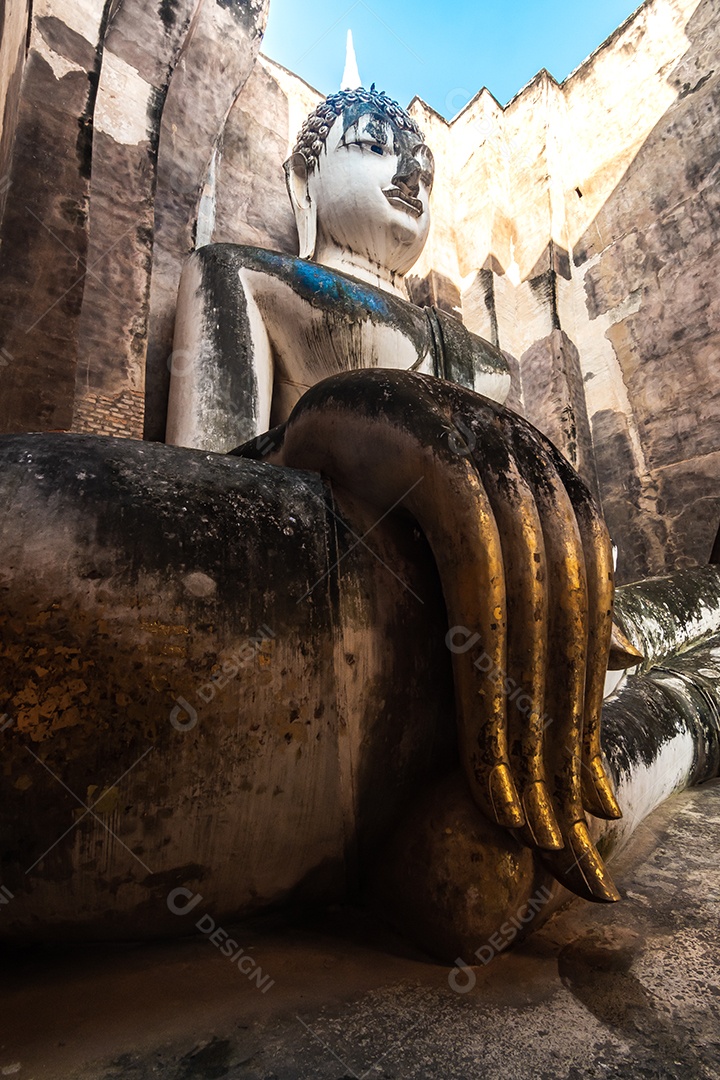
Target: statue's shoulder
point(221, 258)
point(322, 287)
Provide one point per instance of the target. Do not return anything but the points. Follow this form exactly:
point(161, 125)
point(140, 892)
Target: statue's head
point(359, 181)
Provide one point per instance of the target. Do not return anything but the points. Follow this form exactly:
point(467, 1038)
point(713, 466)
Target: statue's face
point(371, 189)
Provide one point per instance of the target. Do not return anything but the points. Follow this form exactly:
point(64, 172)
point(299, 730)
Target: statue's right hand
point(526, 567)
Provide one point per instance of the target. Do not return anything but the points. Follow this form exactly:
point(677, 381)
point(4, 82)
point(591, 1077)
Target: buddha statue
point(256, 329)
point(261, 330)
point(244, 653)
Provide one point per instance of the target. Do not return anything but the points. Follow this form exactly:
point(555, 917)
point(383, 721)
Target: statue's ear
point(305, 210)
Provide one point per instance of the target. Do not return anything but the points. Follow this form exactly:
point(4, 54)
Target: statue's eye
point(377, 149)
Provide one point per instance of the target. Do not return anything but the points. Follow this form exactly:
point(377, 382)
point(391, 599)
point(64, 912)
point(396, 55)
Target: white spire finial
point(351, 76)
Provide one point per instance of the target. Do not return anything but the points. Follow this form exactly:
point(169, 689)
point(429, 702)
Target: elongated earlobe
point(304, 209)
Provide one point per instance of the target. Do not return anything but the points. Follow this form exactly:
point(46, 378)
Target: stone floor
point(631, 990)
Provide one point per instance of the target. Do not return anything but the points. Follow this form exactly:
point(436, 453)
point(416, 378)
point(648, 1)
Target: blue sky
point(444, 52)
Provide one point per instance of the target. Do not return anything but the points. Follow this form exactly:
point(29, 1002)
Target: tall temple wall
point(110, 113)
point(591, 259)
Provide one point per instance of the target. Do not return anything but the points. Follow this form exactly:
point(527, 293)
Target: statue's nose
point(407, 178)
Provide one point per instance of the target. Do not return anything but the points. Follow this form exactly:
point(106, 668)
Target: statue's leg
point(205, 691)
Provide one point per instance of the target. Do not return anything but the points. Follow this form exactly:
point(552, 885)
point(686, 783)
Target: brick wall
point(102, 414)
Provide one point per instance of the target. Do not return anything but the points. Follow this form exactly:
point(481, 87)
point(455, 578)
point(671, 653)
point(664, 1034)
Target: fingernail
point(540, 817)
point(504, 798)
point(598, 794)
point(623, 654)
point(591, 865)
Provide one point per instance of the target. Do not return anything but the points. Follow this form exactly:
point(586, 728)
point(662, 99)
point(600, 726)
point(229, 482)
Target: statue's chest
point(314, 335)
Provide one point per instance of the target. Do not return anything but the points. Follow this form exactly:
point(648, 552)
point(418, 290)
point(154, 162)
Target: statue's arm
point(469, 360)
point(221, 369)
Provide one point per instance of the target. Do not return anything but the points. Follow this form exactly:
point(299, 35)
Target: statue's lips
point(405, 202)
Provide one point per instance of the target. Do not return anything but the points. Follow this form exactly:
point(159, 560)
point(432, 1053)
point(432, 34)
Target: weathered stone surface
point(203, 652)
point(554, 400)
point(44, 248)
point(250, 203)
point(661, 732)
point(435, 290)
point(217, 59)
point(139, 53)
point(289, 324)
point(690, 503)
point(590, 210)
point(590, 207)
point(78, 160)
point(163, 563)
point(13, 34)
point(659, 228)
point(630, 501)
point(668, 615)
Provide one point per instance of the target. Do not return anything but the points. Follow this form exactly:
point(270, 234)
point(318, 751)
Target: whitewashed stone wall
point(110, 109)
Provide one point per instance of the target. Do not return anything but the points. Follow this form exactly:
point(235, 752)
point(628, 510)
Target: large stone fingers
point(578, 865)
point(388, 442)
point(518, 548)
point(496, 437)
point(598, 796)
point(525, 563)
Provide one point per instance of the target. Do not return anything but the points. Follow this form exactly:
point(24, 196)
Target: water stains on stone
point(168, 13)
point(66, 41)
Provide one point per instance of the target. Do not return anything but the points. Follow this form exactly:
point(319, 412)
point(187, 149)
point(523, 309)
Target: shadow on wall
point(245, 202)
point(218, 58)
